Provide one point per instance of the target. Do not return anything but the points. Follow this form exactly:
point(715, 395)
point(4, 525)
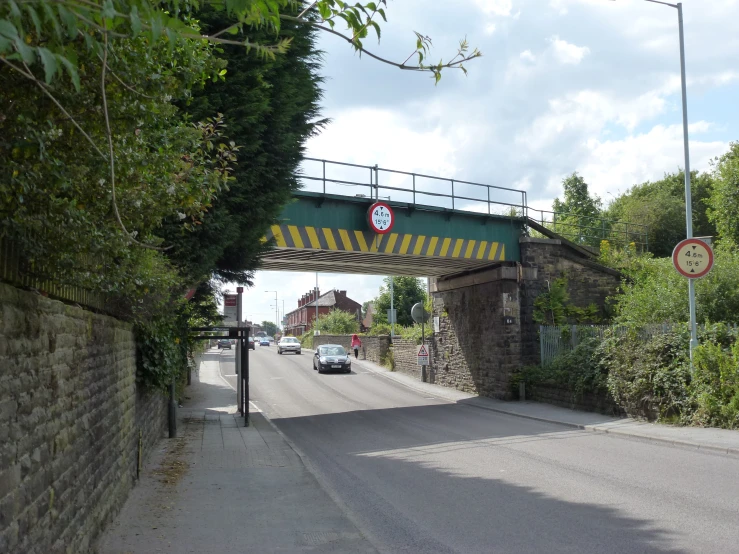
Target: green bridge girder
point(330, 234)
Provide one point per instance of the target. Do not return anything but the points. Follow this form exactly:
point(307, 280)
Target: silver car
point(288, 344)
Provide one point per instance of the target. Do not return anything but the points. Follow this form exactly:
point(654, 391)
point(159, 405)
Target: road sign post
point(693, 259)
point(420, 315)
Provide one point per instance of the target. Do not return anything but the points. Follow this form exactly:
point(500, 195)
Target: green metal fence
point(18, 271)
point(555, 340)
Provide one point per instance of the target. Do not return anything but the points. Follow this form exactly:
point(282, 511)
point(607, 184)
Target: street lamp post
point(276, 308)
point(686, 148)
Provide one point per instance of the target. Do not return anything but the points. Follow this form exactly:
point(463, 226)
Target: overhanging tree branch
point(453, 64)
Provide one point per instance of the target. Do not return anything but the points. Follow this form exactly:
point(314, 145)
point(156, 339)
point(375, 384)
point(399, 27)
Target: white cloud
point(490, 28)
point(612, 166)
point(526, 55)
point(495, 7)
point(567, 53)
point(379, 135)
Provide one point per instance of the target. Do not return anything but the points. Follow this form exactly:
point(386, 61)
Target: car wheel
point(279, 351)
point(299, 352)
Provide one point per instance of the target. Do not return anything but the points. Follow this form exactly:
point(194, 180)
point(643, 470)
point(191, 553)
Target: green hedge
point(652, 377)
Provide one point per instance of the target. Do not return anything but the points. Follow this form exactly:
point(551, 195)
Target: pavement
point(222, 487)
point(352, 463)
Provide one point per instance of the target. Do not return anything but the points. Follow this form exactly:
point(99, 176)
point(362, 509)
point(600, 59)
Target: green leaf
point(50, 65)
point(34, 17)
point(71, 71)
point(7, 29)
point(14, 10)
point(69, 19)
point(52, 18)
point(376, 27)
point(135, 20)
point(27, 53)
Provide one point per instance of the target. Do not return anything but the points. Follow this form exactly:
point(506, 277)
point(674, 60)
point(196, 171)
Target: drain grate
point(319, 537)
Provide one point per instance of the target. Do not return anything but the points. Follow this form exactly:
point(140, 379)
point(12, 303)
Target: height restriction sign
point(381, 218)
point(692, 258)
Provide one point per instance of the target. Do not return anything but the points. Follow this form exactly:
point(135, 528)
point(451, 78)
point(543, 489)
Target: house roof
point(327, 299)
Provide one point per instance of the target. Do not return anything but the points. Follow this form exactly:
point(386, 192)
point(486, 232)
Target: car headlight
point(322, 360)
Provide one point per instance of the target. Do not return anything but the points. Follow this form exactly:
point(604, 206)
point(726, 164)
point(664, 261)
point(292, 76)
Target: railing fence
point(555, 340)
point(17, 271)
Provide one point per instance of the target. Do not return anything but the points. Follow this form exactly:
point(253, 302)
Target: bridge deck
point(328, 233)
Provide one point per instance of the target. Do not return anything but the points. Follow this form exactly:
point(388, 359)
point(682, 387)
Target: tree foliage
point(270, 108)
point(578, 214)
point(723, 204)
point(407, 291)
point(337, 322)
point(270, 328)
point(661, 206)
point(656, 293)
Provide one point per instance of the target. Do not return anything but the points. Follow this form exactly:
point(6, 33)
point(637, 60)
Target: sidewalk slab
point(721, 441)
point(222, 487)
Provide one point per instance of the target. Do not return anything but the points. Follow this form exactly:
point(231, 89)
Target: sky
point(591, 86)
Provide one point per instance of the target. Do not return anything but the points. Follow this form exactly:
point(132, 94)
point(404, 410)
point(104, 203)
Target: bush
point(306, 340)
point(379, 329)
point(656, 293)
point(714, 389)
point(579, 371)
point(649, 378)
point(337, 322)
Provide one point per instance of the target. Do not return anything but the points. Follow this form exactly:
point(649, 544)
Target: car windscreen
point(290, 339)
point(333, 351)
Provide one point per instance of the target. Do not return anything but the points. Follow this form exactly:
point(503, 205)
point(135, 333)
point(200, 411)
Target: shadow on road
point(430, 479)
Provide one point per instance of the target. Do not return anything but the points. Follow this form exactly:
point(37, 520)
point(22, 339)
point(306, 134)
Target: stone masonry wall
point(373, 349)
point(588, 283)
point(589, 402)
point(405, 356)
point(70, 416)
point(474, 350)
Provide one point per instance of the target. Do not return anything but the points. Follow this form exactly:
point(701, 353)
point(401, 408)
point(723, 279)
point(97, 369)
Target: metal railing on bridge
point(379, 183)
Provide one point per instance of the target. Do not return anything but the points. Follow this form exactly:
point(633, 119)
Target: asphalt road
point(420, 474)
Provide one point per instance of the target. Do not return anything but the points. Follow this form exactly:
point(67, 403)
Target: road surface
point(419, 474)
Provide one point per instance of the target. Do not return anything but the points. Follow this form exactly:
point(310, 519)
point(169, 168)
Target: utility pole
point(239, 315)
point(392, 307)
point(316, 301)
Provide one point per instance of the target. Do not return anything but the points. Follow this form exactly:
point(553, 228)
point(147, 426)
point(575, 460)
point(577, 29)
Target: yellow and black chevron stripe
point(323, 238)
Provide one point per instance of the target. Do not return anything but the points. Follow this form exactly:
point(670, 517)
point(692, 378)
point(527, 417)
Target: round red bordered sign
point(381, 218)
point(692, 258)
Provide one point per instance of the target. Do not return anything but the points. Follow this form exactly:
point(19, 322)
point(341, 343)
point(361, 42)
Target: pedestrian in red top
point(356, 343)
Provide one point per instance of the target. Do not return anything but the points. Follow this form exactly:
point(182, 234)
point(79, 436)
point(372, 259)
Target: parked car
point(330, 357)
point(252, 343)
point(263, 341)
point(288, 344)
point(224, 343)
